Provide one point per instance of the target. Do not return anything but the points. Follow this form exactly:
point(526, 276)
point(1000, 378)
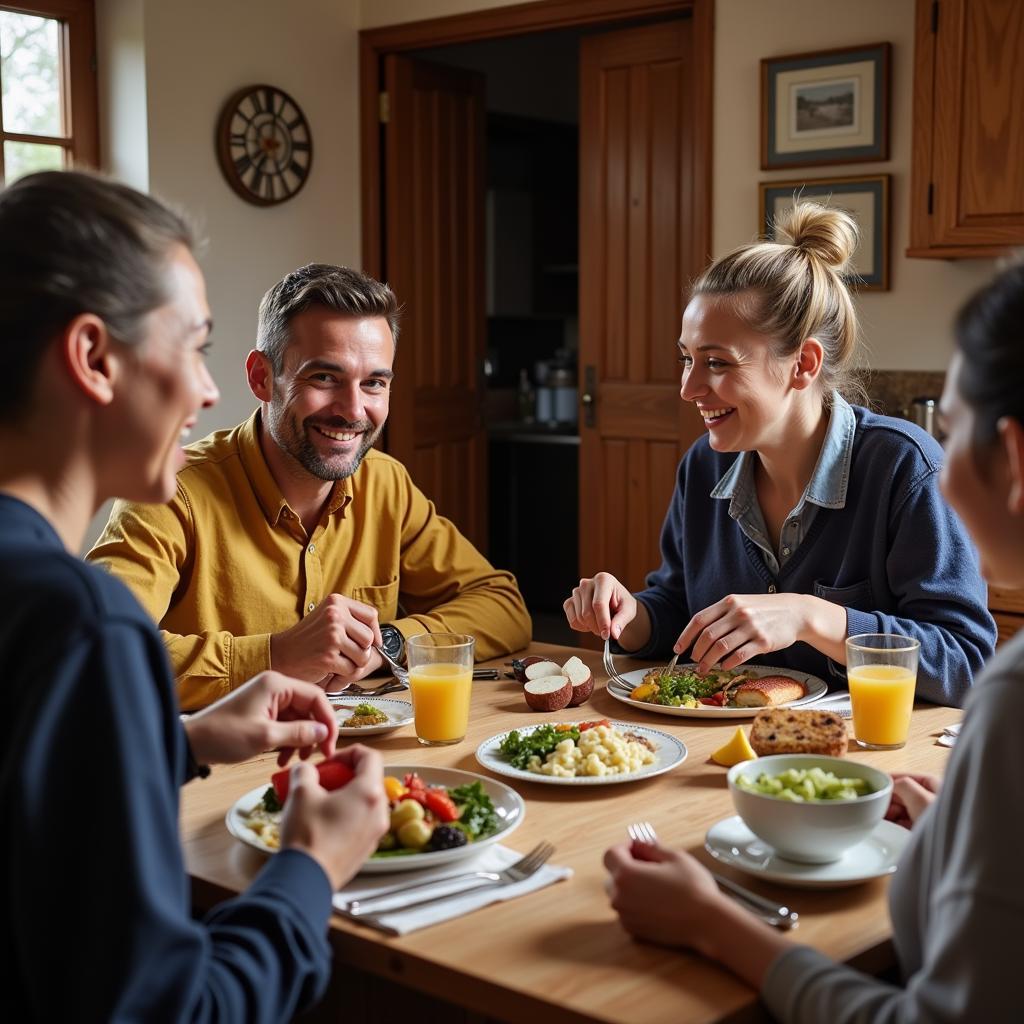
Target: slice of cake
point(786, 731)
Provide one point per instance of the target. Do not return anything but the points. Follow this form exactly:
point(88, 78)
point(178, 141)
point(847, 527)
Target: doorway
point(523, 178)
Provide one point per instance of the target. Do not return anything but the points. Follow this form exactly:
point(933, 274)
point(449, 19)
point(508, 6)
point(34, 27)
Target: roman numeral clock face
point(264, 145)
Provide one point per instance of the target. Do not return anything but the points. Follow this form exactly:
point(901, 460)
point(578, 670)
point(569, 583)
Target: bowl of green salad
point(808, 807)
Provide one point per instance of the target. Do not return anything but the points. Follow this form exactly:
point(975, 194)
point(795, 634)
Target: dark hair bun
point(828, 234)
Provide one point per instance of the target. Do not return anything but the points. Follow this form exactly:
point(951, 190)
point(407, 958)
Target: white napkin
point(399, 922)
point(949, 735)
point(838, 701)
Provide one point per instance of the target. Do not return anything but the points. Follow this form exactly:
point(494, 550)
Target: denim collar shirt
point(825, 489)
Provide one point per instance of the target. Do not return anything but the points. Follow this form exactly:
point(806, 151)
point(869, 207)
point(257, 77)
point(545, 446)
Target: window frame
point(80, 104)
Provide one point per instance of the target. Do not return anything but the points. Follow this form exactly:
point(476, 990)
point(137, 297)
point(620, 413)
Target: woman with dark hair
point(104, 326)
point(799, 520)
point(957, 901)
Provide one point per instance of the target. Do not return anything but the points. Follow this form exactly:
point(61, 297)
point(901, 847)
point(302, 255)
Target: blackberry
point(445, 837)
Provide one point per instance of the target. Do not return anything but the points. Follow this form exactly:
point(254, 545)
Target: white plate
point(731, 842)
point(669, 752)
point(816, 689)
point(508, 805)
point(399, 713)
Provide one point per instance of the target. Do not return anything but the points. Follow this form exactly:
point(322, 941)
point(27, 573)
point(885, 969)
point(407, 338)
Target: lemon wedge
point(737, 749)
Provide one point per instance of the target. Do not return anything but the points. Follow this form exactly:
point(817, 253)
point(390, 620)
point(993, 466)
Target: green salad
point(684, 689)
point(518, 749)
point(805, 785)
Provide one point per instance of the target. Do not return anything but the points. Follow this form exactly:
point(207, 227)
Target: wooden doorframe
point(522, 19)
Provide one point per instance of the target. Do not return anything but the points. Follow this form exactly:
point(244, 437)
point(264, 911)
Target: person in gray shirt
point(957, 901)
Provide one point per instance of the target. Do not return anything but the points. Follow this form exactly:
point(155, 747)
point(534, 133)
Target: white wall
point(195, 53)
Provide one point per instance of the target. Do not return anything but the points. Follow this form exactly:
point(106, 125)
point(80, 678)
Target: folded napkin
point(392, 919)
point(949, 735)
point(838, 701)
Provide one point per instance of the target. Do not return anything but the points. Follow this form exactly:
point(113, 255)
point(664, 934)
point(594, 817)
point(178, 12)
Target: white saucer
point(732, 843)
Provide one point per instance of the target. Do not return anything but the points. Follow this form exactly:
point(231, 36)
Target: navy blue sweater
point(96, 921)
point(895, 556)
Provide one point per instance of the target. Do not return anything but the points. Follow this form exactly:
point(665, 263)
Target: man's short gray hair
point(345, 291)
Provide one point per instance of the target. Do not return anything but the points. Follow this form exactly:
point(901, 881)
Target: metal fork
point(609, 667)
point(523, 868)
point(772, 913)
point(400, 672)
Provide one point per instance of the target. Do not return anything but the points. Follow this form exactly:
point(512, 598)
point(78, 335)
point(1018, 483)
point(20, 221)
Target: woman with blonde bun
point(800, 519)
point(957, 901)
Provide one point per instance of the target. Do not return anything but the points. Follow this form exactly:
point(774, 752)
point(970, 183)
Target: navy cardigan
point(895, 556)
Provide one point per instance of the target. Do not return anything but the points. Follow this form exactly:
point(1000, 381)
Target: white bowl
point(813, 832)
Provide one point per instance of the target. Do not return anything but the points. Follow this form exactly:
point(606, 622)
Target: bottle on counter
point(526, 397)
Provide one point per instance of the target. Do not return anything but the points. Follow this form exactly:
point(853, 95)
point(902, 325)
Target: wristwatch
point(393, 642)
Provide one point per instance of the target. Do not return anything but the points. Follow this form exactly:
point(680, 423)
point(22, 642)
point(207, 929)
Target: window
point(47, 87)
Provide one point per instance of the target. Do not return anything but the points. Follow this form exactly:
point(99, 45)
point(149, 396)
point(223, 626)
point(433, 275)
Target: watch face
point(393, 641)
point(264, 145)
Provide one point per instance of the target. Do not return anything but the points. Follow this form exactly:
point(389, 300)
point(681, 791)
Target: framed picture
point(830, 107)
point(866, 199)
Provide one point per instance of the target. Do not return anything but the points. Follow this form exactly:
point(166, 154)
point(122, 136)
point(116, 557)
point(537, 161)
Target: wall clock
point(264, 145)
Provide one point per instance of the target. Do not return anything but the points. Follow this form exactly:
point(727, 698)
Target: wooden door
point(434, 261)
point(643, 236)
point(968, 167)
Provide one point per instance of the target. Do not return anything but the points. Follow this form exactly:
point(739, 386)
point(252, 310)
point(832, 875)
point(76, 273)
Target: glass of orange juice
point(441, 681)
point(882, 672)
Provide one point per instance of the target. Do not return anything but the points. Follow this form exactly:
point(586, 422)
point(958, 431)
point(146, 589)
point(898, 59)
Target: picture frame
point(830, 107)
point(865, 197)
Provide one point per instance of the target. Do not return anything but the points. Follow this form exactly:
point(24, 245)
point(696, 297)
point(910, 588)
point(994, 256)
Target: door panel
point(638, 250)
point(434, 261)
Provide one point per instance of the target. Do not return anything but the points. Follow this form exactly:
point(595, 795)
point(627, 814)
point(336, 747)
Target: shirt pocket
point(383, 597)
point(858, 596)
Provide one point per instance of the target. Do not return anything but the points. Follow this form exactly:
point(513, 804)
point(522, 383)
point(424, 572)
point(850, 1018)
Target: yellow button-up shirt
point(227, 563)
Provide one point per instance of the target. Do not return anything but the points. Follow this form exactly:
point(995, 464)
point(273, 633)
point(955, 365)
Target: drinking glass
point(441, 681)
point(882, 672)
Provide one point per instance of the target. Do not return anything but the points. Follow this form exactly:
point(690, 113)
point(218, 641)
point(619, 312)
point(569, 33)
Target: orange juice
point(440, 701)
point(882, 697)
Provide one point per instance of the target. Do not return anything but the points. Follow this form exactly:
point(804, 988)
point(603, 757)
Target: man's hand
point(603, 606)
point(335, 640)
point(912, 795)
point(341, 829)
point(269, 711)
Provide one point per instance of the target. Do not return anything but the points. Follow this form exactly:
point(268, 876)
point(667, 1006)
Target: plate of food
point(595, 753)
point(438, 815)
point(739, 693)
point(370, 715)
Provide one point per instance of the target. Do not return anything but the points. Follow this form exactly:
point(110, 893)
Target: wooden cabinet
point(967, 179)
point(1007, 607)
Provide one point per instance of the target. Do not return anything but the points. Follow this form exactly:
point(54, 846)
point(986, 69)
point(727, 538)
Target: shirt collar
point(827, 486)
point(265, 487)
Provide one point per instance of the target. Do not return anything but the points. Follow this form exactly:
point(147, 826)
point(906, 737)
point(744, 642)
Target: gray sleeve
point(959, 915)
point(968, 975)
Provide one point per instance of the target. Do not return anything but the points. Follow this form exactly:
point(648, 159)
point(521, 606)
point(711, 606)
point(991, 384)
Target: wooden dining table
point(559, 954)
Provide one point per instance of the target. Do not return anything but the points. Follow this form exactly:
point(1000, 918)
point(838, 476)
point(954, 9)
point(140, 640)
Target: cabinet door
point(971, 54)
point(643, 236)
point(434, 211)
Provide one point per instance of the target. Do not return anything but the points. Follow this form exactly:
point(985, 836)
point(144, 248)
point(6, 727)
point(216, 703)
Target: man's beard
point(293, 438)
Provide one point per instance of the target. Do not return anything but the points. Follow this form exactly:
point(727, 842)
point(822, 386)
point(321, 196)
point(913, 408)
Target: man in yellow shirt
point(290, 540)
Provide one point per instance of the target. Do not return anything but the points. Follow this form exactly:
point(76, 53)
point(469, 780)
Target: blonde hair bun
point(830, 235)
